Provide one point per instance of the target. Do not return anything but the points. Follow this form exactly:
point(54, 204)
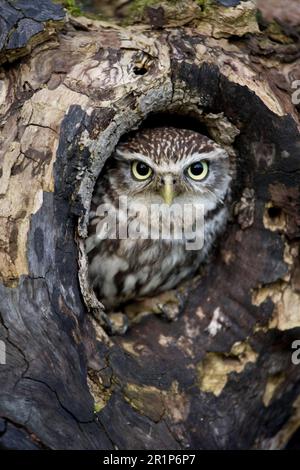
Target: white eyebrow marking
point(131, 156)
point(171, 166)
point(164, 167)
point(216, 154)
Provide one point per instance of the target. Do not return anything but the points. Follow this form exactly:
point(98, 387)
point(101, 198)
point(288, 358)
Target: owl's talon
point(118, 323)
point(170, 311)
point(169, 304)
point(115, 323)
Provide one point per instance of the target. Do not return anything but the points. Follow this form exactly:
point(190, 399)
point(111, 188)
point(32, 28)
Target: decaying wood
point(219, 377)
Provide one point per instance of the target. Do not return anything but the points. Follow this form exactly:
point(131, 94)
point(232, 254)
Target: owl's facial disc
point(165, 184)
point(173, 166)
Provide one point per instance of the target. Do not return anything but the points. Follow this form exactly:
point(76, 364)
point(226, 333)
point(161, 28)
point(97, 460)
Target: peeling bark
point(221, 376)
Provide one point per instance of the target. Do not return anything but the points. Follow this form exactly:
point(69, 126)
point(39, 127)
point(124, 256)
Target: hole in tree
point(180, 120)
point(274, 212)
point(140, 70)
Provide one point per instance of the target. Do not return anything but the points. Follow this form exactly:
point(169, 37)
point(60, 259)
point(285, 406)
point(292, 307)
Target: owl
point(155, 167)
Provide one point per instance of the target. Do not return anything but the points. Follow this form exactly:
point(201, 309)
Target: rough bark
point(24, 24)
point(221, 376)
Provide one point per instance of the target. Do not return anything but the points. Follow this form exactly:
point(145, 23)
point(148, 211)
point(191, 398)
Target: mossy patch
point(207, 15)
point(99, 391)
point(72, 6)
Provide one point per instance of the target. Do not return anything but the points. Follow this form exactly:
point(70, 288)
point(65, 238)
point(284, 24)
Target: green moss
point(71, 6)
point(259, 17)
point(204, 4)
point(98, 407)
point(138, 6)
point(275, 32)
point(174, 10)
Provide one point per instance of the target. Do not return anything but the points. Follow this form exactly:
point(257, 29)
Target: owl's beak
point(167, 190)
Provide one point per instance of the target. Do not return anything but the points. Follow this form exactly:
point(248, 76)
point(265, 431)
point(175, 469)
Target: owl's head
point(170, 165)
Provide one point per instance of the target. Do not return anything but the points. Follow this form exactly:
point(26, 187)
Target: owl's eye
point(198, 170)
point(140, 170)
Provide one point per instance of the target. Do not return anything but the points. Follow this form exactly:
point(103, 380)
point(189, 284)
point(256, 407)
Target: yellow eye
point(198, 170)
point(140, 170)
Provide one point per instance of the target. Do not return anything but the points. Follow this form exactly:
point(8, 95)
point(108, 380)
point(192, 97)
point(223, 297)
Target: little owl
point(151, 167)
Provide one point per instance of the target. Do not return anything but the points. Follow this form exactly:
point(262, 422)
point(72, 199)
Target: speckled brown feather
point(122, 270)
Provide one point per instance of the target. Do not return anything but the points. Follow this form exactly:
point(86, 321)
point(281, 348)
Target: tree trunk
point(222, 375)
